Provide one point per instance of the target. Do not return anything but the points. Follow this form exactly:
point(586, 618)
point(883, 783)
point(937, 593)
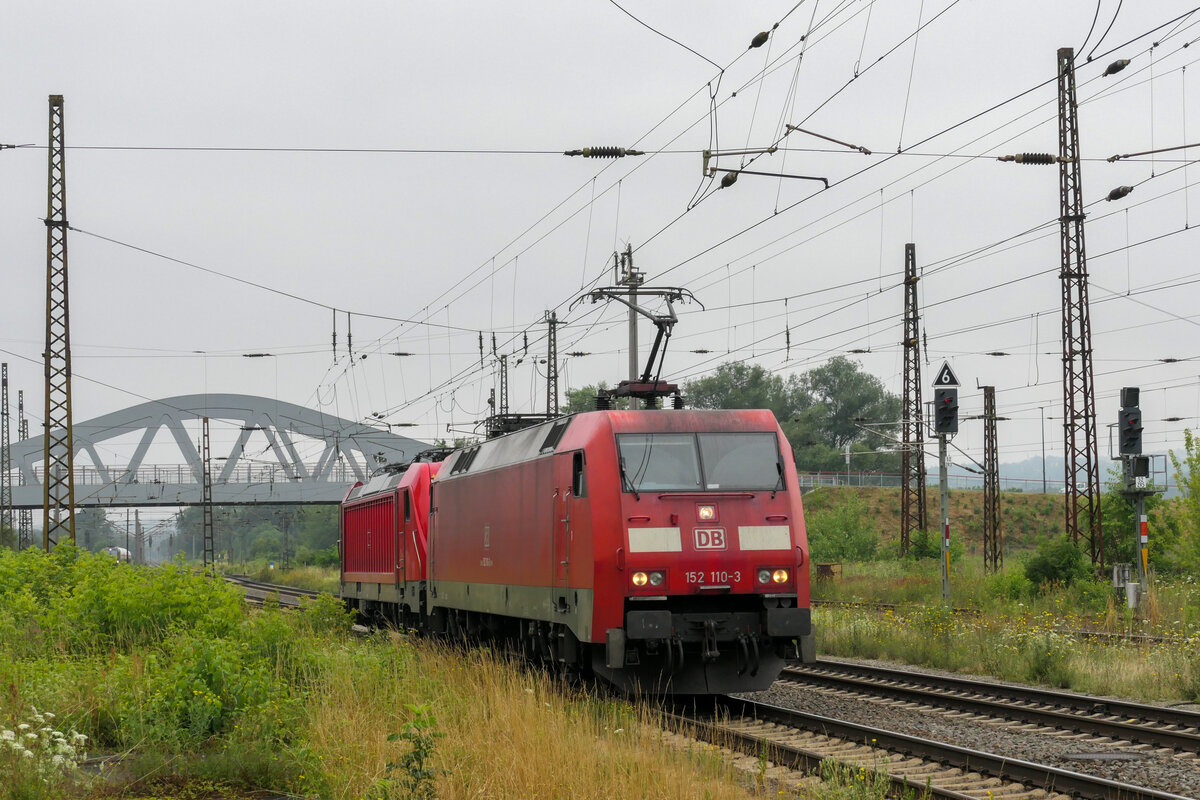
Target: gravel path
point(1119, 761)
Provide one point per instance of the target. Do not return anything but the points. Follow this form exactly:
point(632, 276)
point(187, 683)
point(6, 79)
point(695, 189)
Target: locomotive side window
point(746, 461)
point(407, 506)
point(578, 478)
point(659, 462)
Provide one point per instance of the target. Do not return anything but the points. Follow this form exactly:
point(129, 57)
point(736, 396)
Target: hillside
point(1025, 519)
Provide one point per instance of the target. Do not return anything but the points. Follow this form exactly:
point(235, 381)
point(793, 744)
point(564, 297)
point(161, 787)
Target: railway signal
point(1136, 470)
point(1130, 431)
point(945, 411)
point(945, 417)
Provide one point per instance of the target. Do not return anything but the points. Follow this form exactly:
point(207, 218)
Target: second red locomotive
point(660, 550)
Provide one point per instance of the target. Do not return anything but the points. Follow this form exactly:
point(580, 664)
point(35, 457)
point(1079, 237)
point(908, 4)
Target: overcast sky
point(247, 139)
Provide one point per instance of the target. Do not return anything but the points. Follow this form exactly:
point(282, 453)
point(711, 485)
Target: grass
point(204, 698)
point(1020, 634)
point(1018, 649)
point(316, 579)
point(1173, 607)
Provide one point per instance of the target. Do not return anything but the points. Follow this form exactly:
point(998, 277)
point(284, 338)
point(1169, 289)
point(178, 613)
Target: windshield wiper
point(626, 484)
point(779, 484)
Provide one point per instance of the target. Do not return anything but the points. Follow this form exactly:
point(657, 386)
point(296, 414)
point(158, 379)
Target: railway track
point(914, 766)
point(1119, 720)
point(1081, 633)
point(258, 591)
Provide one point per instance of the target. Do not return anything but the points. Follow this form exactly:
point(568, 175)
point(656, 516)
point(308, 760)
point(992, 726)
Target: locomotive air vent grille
point(464, 461)
point(554, 435)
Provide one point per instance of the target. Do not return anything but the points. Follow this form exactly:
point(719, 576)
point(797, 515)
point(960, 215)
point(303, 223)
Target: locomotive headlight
point(640, 579)
point(656, 579)
point(706, 513)
point(764, 576)
point(780, 576)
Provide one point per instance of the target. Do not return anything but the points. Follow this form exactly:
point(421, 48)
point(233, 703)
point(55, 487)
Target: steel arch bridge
point(349, 451)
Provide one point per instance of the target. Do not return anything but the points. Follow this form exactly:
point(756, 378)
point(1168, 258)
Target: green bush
point(842, 533)
point(1012, 585)
point(1057, 561)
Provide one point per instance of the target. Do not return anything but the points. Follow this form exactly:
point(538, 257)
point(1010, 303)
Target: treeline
point(299, 535)
point(296, 535)
point(825, 412)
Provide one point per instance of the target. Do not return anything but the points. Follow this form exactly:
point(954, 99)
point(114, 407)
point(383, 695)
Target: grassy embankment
point(204, 698)
point(1027, 518)
point(1020, 632)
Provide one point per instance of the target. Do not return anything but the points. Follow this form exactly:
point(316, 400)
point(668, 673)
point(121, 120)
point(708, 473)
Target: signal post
point(1135, 469)
point(945, 423)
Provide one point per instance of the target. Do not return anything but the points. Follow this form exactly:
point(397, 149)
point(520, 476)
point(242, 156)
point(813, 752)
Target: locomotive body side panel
point(369, 545)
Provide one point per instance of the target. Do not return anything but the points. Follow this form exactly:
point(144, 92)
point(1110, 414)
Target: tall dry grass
point(508, 732)
point(1024, 647)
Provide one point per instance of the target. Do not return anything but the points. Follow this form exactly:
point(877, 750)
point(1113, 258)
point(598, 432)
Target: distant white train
point(119, 553)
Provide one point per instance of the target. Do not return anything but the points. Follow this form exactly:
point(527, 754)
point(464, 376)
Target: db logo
point(710, 538)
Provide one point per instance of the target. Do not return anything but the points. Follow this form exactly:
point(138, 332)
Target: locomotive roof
point(575, 431)
point(390, 481)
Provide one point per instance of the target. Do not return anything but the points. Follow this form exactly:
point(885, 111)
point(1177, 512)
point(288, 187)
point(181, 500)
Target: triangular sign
point(945, 376)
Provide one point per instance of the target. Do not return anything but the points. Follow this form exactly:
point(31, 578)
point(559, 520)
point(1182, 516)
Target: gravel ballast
point(1141, 765)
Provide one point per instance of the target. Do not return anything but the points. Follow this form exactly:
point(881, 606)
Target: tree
point(93, 531)
point(819, 411)
point(584, 399)
point(736, 384)
point(1187, 505)
point(851, 396)
point(1121, 529)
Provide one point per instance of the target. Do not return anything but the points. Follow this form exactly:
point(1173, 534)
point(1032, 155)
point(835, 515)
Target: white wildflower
point(78, 738)
point(58, 761)
point(28, 754)
point(24, 726)
point(48, 715)
point(31, 737)
point(7, 735)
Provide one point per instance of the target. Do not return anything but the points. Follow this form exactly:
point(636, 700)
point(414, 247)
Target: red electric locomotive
point(384, 543)
point(661, 550)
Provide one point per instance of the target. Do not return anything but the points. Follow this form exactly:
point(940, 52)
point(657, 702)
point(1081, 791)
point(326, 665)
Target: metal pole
point(1082, 507)
point(993, 549)
point(944, 483)
point(1143, 550)
point(58, 452)
point(912, 480)
point(632, 279)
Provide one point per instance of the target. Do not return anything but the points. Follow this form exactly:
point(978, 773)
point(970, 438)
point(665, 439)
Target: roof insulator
point(1119, 192)
point(729, 179)
point(759, 39)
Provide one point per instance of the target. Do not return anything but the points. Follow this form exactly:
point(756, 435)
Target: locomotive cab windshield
point(700, 462)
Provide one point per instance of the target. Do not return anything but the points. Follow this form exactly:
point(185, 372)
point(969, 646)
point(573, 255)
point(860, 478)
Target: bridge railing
point(182, 475)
